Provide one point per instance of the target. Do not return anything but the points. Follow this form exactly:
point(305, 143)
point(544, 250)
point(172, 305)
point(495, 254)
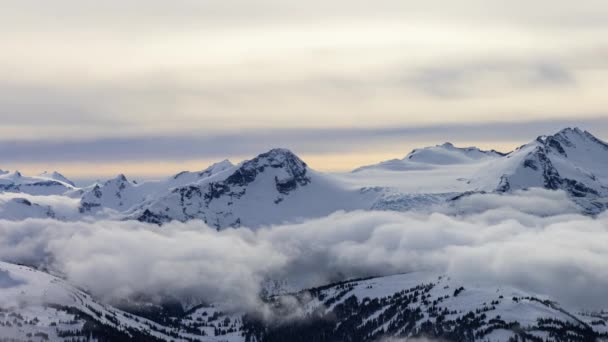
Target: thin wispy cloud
point(306, 141)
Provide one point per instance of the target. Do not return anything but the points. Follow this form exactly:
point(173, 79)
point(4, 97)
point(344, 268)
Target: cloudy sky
point(94, 88)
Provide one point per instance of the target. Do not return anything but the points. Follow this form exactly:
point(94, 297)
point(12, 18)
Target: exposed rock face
point(292, 175)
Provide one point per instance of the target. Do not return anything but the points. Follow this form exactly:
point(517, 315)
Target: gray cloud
point(153, 13)
point(115, 69)
point(180, 146)
point(455, 81)
point(536, 249)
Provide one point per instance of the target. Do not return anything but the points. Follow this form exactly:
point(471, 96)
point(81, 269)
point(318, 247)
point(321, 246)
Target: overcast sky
point(156, 86)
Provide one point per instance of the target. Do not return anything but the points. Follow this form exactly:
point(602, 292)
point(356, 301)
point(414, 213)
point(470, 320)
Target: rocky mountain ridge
point(277, 186)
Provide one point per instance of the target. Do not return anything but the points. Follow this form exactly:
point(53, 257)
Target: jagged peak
point(571, 130)
point(57, 174)
point(279, 152)
point(568, 137)
point(577, 132)
point(277, 157)
point(564, 133)
point(120, 178)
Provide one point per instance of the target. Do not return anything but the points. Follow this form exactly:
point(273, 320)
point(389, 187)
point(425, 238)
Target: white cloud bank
point(516, 240)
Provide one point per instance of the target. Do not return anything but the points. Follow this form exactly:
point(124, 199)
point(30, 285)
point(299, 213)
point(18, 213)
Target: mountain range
point(277, 186)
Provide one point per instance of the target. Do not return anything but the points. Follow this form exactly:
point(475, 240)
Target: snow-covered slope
point(274, 187)
point(45, 184)
point(187, 177)
point(116, 193)
point(37, 306)
point(17, 208)
point(56, 176)
point(424, 304)
point(429, 157)
point(121, 194)
point(437, 170)
point(571, 160)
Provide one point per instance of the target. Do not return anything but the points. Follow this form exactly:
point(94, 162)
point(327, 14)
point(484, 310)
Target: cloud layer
point(527, 240)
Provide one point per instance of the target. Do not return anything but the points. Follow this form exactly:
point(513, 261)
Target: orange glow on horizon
point(327, 162)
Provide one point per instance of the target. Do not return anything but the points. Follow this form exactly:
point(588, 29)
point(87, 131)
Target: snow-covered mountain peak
point(575, 145)
point(119, 178)
point(291, 171)
point(114, 193)
point(14, 175)
point(276, 183)
point(56, 176)
point(572, 160)
point(570, 139)
point(15, 181)
point(447, 153)
point(187, 176)
point(120, 182)
point(566, 132)
point(433, 156)
point(277, 157)
point(217, 167)
point(571, 132)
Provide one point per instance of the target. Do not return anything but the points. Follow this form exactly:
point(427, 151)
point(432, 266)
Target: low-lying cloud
point(509, 242)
